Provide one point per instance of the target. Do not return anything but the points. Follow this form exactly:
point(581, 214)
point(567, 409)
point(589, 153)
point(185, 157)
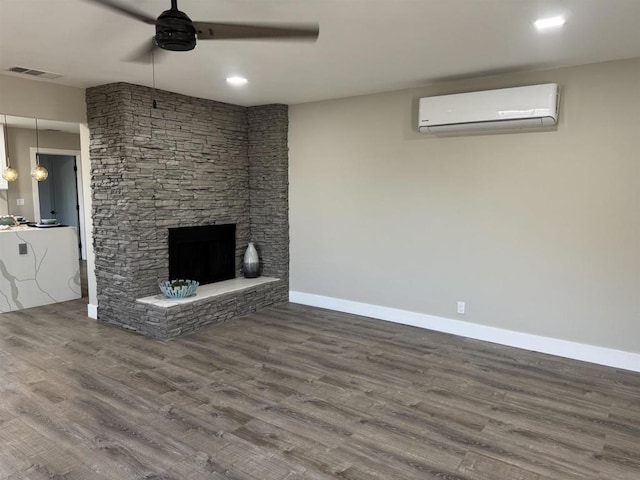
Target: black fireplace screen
point(205, 253)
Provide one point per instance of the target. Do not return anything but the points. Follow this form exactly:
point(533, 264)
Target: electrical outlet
point(461, 308)
point(22, 249)
point(20, 202)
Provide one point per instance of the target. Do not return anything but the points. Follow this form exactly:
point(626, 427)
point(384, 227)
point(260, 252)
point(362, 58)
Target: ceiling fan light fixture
point(175, 31)
point(237, 81)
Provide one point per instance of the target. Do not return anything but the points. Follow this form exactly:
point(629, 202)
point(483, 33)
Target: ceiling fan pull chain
point(153, 79)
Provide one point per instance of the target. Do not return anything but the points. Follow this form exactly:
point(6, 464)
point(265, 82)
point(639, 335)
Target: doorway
point(60, 196)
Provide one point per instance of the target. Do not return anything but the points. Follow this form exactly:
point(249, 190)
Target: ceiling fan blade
point(245, 31)
point(138, 15)
point(148, 51)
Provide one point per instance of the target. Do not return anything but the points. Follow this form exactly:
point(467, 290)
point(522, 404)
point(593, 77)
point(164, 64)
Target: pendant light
point(10, 174)
point(39, 173)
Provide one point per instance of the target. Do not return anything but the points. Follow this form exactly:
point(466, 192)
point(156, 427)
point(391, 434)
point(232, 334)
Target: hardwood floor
point(297, 392)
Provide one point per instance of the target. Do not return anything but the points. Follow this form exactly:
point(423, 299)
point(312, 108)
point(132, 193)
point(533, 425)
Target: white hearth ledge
point(210, 290)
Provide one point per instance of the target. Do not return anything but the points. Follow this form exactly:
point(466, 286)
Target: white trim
point(92, 311)
point(4, 185)
point(79, 187)
point(562, 348)
point(34, 186)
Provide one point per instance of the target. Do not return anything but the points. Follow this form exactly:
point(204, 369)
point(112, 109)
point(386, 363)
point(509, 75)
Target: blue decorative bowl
point(178, 288)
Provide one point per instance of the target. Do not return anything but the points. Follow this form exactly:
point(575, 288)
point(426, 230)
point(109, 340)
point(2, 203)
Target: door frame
point(79, 189)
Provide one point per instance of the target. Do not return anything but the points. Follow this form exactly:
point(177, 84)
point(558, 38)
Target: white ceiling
point(365, 46)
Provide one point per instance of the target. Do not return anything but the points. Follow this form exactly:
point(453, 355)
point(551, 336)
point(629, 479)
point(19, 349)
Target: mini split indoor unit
point(531, 107)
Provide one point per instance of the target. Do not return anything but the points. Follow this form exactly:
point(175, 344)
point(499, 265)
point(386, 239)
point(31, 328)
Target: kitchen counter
point(48, 271)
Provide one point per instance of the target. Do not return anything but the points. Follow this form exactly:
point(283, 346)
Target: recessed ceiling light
point(544, 23)
point(237, 81)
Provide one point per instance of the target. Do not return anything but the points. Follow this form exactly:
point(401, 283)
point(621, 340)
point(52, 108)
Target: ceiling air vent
point(34, 73)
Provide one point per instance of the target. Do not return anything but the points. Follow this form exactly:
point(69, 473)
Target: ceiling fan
point(175, 31)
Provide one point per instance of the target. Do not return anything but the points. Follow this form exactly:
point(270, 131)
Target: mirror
point(61, 194)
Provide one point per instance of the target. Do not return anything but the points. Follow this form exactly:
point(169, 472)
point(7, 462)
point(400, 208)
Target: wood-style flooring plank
point(296, 392)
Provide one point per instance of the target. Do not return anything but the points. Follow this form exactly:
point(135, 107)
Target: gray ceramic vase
point(251, 263)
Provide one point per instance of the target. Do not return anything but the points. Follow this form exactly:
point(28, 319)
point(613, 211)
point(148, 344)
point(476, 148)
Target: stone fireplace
point(188, 163)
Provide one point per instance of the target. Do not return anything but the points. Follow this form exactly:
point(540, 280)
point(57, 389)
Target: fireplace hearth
point(203, 253)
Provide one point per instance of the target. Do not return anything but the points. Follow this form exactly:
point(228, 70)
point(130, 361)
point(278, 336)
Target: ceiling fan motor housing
point(175, 31)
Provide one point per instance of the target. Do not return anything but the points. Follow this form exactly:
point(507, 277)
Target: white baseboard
point(92, 311)
point(562, 348)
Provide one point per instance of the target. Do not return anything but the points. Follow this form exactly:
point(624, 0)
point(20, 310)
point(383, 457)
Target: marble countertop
point(38, 268)
point(25, 228)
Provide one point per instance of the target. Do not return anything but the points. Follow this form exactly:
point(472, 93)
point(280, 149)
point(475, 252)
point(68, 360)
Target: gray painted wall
point(30, 98)
point(537, 232)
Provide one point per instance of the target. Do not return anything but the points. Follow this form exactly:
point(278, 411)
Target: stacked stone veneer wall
point(187, 162)
point(269, 186)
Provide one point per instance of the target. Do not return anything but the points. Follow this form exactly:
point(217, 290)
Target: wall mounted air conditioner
point(535, 106)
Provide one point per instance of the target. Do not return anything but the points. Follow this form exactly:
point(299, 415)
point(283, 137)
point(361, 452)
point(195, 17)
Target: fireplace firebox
point(203, 253)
